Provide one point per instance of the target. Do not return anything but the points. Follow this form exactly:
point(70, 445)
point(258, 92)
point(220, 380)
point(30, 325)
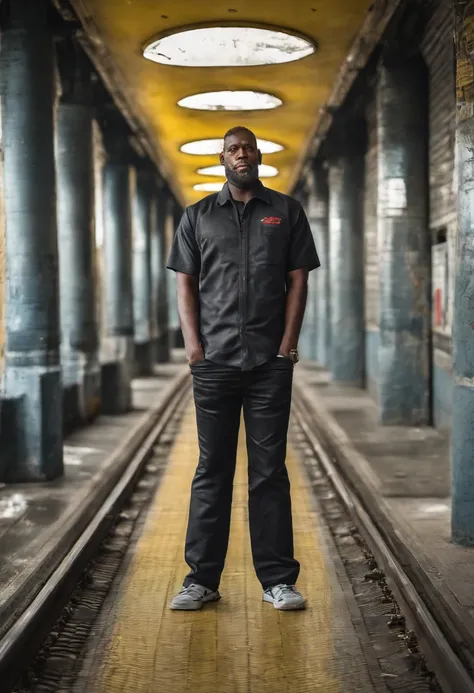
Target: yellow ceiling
point(126, 26)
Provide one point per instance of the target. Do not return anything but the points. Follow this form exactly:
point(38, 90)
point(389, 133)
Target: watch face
point(294, 356)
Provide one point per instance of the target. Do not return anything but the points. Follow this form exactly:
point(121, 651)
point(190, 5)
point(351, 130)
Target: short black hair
point(239, 128)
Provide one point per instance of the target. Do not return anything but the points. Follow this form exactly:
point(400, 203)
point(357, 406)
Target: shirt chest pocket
point(218, 245)
point(269, 245)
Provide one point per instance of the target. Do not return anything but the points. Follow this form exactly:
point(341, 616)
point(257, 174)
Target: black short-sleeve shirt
point(242, 255)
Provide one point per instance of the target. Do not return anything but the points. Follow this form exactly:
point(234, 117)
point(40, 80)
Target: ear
point(221, 158)
point(259, 157)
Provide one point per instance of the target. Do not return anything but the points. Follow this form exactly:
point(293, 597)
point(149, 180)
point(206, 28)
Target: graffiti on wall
point(442, 287)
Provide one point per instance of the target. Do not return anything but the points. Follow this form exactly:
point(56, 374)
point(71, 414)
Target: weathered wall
point(438, 52)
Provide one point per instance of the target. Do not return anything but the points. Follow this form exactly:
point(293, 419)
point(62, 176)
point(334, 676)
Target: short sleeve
point(184, 254)
point(303, 252)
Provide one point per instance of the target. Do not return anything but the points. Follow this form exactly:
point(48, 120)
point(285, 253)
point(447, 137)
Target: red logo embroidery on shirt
point(275, 221)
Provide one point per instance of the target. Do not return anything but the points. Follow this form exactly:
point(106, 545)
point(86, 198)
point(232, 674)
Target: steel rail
point(21, 642)
point(440, 655)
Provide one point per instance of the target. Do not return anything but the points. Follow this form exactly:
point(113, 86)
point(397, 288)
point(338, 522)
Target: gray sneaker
point(284, 597)
point(192, 597)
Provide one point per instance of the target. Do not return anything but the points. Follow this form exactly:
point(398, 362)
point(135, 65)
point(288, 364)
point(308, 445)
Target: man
point(242, 258)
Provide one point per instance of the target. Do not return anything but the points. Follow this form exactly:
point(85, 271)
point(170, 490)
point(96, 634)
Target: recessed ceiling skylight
point(265, 171)
point(228, 46)
point(208, 187)
point(230, 101)
point(202, 147)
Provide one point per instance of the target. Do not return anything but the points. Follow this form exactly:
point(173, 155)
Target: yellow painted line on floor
point(240, 644)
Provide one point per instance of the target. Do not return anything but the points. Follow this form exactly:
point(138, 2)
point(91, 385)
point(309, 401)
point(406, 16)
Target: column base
point(71, 410)
point(117, 359)
point(9, 431)
point(462, 513)
point(162, 348)
point(90, 395)
point(360, 384)
point(348, 369)
point(403, 387)
point(144, 359)
point(81, 389)
point(176, 338)
point(32, 425)
point(116, 387)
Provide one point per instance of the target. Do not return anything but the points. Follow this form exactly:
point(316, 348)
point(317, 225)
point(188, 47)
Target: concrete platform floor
point(404, 473)
point(38, 522)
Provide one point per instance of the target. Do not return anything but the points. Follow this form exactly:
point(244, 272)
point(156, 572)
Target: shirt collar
point(261, 192)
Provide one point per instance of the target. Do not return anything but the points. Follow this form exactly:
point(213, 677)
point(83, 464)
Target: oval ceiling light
point(203, 147)
point(227, 46)
point(208, 187)
point(264, 170)
point(231, 101)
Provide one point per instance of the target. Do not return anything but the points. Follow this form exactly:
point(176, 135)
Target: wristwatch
point(294, 356)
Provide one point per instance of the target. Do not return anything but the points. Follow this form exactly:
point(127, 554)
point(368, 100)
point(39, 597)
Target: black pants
point(220, 392)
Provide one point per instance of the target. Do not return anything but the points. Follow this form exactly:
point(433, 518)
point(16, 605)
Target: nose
point(242, 154)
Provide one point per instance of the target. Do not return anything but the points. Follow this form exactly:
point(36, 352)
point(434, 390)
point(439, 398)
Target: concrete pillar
point(159, 274)
point(318, 218)
point(173, 314)
point(179, 339)
point(462, 458)
point(404, 244)
point(119, 186)
point(32, 376)
point(346, 264)
point(306, 342)
point(76, 231)
point(144, 320)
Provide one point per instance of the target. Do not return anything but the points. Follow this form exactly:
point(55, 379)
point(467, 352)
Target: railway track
point(420, 625)
point(438, 666)
point(21, 643)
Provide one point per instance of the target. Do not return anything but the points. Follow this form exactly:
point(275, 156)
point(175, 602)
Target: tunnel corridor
point(113, 114)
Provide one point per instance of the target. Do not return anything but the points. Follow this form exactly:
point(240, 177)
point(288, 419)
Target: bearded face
point(241, 159)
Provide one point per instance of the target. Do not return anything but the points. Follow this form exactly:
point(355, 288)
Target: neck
point(243, 195)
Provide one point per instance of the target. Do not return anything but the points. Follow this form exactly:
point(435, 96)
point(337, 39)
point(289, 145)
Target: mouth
point(242, 167)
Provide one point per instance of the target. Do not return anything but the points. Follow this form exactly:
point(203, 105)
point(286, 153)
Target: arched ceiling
point(127, 26)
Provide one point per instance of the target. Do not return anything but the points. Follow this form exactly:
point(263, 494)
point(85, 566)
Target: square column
point(346, 263)
point(144, 320)
point(32, 374)
point(404, 243)
point(76, 229)
point(318, 218)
